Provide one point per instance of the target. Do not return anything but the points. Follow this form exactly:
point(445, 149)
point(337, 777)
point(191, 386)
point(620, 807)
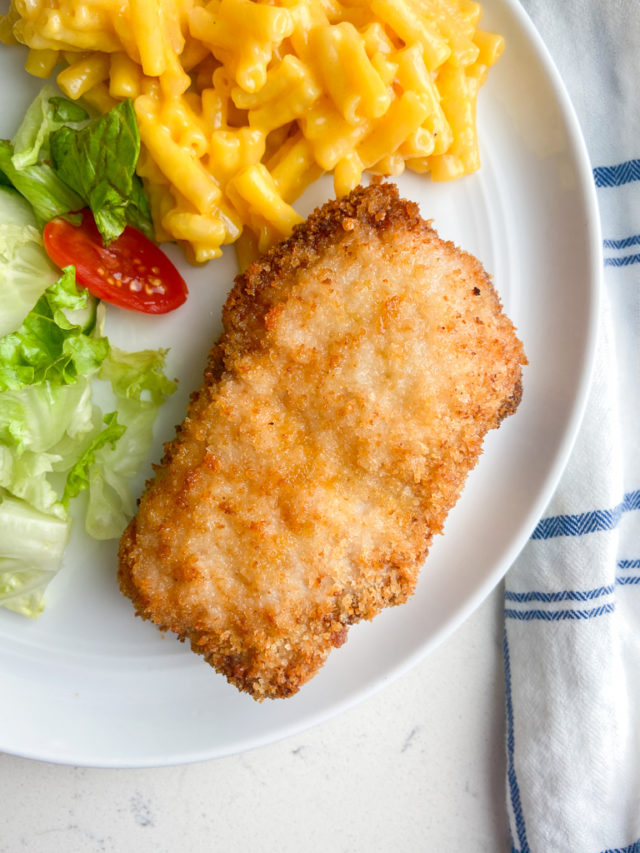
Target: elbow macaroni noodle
point(241, 104)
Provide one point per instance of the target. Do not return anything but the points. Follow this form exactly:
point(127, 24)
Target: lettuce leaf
point(48, 345)
point(138, 376)
point(98, 162)
point(37, 417)
point(40, 186)
point(33, 545)
point(61, 161)
point(47, 113)
point(24, 160)
point(54, 441)
point(43, 430)
point(25, 269)
point(140, 386)
point(78, 476)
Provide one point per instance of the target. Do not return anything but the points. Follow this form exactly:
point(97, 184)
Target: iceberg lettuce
point(25, 270)
point(32, 547)
point(54, 440)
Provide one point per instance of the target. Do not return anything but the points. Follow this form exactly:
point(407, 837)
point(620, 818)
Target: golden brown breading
point(362, 363)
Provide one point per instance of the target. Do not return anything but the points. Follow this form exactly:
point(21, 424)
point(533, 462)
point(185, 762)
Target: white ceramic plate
point(89, 684)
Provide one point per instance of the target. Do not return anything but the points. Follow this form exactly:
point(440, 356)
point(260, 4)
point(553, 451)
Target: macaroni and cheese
point(241, 104)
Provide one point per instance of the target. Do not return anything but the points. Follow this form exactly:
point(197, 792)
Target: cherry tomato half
point(131, 272)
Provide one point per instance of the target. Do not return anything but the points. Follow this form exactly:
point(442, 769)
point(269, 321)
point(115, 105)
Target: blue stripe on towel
point(628, 564)
point(558, 615)
point(632, 848)
point(586, 522)
point(622, 243)
point(624, 261)
point(514, 791)
point(615, 176)
point(562, 595)
point(570, 594)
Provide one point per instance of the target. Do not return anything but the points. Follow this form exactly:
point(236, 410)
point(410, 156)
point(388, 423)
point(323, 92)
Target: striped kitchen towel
point(572, 599)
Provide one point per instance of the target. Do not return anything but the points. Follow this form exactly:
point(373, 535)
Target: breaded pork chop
point(362, 363)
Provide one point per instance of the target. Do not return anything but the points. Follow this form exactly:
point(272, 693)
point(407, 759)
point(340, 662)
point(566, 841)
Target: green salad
point(55, 361)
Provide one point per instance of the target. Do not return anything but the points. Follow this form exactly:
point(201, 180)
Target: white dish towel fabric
point(572, 599)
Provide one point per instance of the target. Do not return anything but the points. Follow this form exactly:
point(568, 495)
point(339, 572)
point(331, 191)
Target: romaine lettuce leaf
point(99, 162)
point(61, 161)
point(47, 113)
point(46, 193)
point(24, 160)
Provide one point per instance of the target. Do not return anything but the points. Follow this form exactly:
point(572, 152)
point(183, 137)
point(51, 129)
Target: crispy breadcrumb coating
point(362, 363)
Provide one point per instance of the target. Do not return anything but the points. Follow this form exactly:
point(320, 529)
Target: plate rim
point(471, 602)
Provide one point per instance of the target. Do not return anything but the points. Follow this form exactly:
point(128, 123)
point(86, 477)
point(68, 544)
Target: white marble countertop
point(417, 767)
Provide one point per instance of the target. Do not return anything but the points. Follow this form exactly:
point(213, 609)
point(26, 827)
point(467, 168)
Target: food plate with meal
point(341, 391)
